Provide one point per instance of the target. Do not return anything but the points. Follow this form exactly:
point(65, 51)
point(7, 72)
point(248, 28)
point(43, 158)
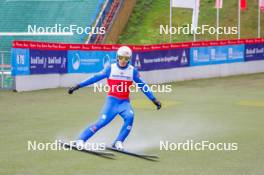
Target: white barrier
point(199, 72)
point(36, 82)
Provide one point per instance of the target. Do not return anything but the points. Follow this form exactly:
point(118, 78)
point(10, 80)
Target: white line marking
point(36, 34)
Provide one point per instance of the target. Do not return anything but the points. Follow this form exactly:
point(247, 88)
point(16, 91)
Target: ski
point(139, 155)
point(104, 154)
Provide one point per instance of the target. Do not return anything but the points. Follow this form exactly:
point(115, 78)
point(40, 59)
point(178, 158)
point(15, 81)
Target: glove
point(157, 103)
point(72, 89)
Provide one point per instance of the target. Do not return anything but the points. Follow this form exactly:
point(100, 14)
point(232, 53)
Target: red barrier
point(165, 46)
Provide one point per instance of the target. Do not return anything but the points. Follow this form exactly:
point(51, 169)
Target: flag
point(243, 4)
point(218, 4)
point(261, 8)
point(192, 4)
point(261, 5)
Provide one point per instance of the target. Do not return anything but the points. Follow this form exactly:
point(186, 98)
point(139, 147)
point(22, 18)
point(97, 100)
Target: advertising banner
point(217, 54)
point(30, 57)
point(89, 61)
point(20, 62)
point(254, 52)
point(48, 61)
point(161, 59)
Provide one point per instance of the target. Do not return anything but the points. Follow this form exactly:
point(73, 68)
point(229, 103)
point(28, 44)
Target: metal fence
point(6, 79)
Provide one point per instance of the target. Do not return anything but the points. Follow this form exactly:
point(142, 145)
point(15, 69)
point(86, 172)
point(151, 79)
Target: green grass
point(148, 15)
point(220, 110)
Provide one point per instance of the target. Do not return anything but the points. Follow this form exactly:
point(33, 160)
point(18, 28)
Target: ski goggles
point(123, 58)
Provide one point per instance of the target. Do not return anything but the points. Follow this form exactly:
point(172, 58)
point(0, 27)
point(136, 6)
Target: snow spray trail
point(148, 134)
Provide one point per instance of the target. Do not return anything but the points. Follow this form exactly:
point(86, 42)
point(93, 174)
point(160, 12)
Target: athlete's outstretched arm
point(97, 77)
point(145, 88)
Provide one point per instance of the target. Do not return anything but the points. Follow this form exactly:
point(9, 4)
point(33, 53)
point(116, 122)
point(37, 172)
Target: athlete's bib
point(119, 81)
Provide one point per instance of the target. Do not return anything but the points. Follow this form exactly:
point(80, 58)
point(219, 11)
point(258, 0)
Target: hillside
point(148, 15)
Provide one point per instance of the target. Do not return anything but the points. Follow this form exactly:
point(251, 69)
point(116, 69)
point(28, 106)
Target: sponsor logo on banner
point(89, 61)
point(48, 61)
point(254, 52)
point(137, 63)
point(107, 60)
point(161, 59)
point(20, 62)
point(76, 61)
point(217, 54)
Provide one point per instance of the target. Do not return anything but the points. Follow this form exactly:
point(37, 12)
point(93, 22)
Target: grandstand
point(17, 15)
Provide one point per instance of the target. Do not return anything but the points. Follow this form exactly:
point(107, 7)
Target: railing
point(98, 21)
point(104, 19)
point(107, 23)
